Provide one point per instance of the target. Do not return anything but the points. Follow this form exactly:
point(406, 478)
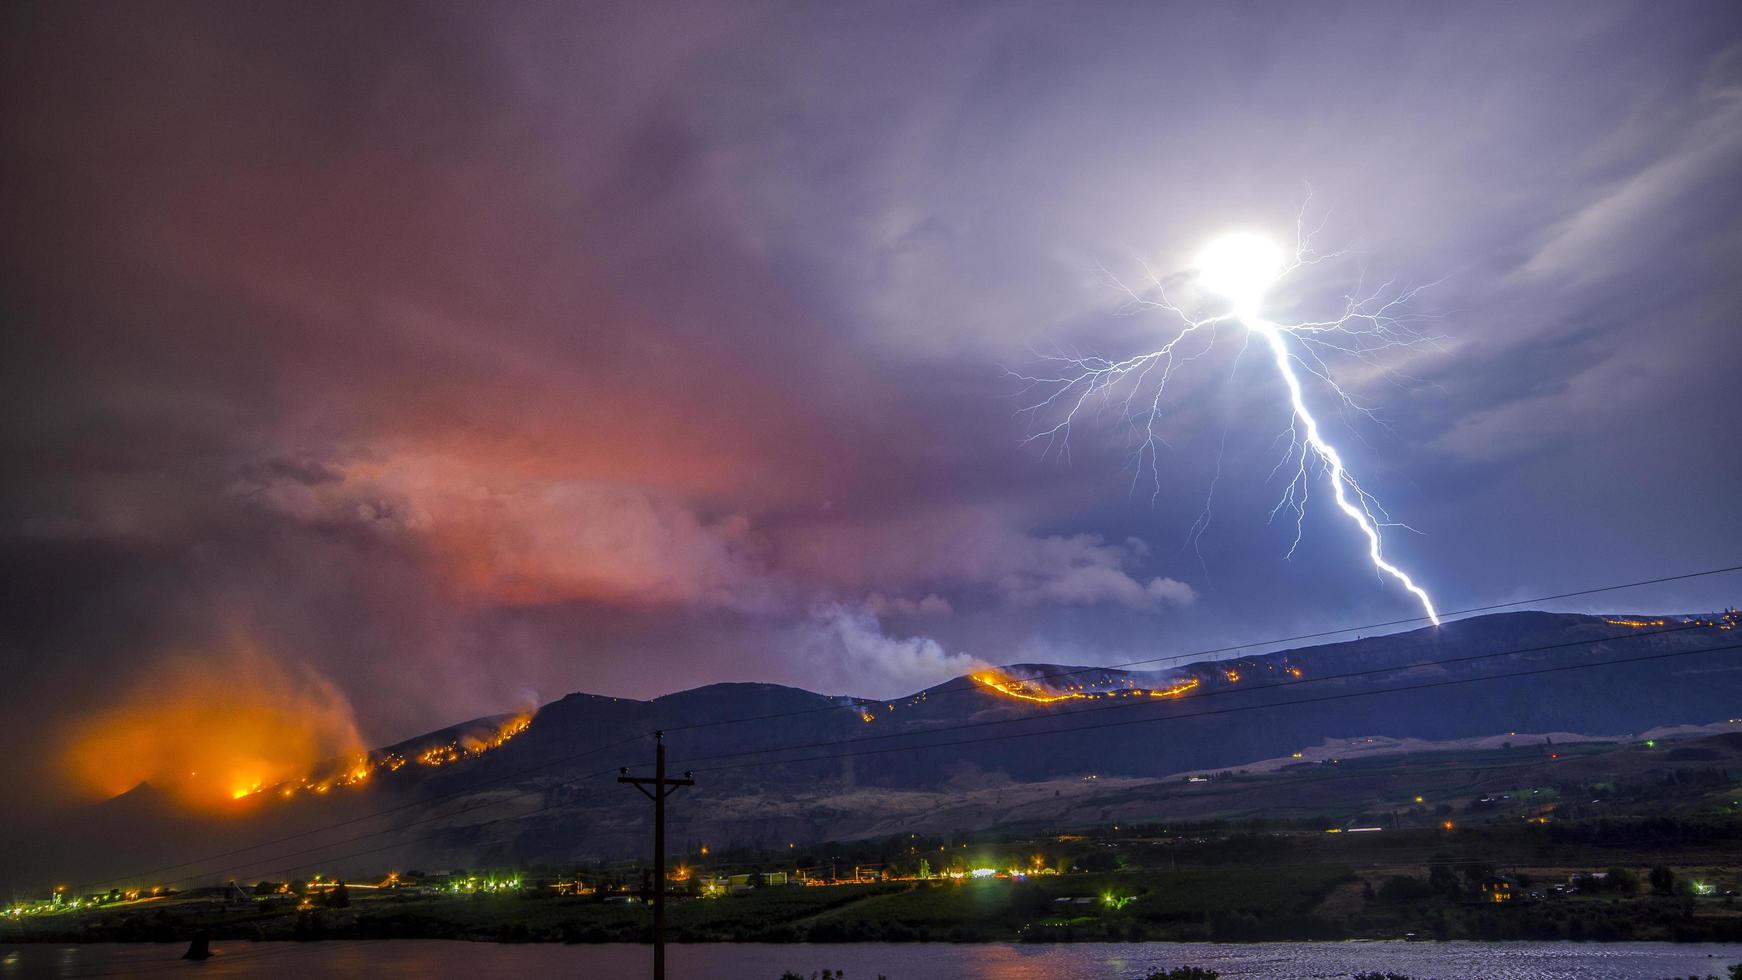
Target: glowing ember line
point(1025, 690)
point(361, 768)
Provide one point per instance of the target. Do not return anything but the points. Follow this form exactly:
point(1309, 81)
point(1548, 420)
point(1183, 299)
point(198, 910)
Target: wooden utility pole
point(662, 788)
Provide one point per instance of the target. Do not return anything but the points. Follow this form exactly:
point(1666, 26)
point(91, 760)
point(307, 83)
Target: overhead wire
point(1209, 652)
point(1239, 708)
point(513, 774)
point(1143, 702)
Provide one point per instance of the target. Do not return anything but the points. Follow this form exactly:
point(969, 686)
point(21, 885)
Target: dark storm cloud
point(466, 354)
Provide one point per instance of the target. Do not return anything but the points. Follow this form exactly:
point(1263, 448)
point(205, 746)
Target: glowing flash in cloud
point(1240, 268)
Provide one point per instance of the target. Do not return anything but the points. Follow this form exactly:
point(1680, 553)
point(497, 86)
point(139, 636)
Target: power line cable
point(422, 802)
point(1144, 702)
point(251, 870)
point(1122, 723)
point(1234, 709)
point(555, 762)
point(1210, 651)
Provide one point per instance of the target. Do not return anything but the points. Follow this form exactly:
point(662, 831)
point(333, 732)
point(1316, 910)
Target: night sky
point(396, 364)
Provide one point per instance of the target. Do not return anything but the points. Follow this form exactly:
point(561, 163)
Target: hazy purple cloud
point(460, 355)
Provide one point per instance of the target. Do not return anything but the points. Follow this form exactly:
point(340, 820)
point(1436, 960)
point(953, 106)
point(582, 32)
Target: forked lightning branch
point(1240, 269)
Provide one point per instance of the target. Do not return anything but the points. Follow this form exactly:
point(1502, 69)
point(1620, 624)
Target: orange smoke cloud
point(505, 529)
point(209, 730)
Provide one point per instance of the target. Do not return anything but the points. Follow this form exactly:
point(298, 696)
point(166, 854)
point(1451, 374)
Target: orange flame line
point(1014, 687)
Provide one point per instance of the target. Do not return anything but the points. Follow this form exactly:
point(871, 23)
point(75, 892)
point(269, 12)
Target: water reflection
point(864, 961)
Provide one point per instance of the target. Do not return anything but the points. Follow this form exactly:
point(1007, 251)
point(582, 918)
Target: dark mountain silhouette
point(822, 770)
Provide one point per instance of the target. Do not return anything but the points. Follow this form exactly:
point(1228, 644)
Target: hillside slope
point(843, 766)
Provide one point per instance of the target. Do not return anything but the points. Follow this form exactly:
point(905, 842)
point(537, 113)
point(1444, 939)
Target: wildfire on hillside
point(358, 769)
point(1026, 689)
point(207, 730)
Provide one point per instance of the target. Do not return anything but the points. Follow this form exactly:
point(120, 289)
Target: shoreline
point(1017, 943)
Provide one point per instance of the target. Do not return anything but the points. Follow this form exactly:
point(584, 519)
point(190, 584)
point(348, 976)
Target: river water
point(864, 961)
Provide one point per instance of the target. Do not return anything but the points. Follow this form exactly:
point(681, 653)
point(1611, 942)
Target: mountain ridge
point(780, 762)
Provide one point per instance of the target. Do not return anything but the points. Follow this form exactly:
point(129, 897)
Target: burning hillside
point(211, 735)
point(1202, 733)
point(1084, 689)
point(207, 732)
point(469, 742)
point(1049, 685)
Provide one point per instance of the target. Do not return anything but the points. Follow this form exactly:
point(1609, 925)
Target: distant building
point(1499, 889)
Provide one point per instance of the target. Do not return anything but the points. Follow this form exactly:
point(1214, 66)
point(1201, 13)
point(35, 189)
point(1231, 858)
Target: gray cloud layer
point(460, 352)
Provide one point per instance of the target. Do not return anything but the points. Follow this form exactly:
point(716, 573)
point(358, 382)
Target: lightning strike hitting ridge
point(1240, 268)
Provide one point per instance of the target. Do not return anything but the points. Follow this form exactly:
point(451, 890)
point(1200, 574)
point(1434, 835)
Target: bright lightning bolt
point(1241, 268)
